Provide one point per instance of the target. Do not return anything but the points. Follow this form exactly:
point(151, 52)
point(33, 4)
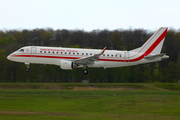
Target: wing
point(89, 59)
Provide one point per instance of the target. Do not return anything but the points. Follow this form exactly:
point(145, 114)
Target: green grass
point(70, 86)
point(36, 104)
point(169, 86)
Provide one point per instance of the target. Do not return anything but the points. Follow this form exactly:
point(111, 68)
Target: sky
point(89, 15)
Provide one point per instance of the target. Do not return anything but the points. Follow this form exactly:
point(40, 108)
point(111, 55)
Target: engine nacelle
point(67, 65)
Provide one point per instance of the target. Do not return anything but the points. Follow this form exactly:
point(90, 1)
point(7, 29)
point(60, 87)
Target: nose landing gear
point(27, 66)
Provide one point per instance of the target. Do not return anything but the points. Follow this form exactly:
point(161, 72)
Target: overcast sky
point(89, 15)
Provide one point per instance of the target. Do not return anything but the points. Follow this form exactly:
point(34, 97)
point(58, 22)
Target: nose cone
point(9, 57)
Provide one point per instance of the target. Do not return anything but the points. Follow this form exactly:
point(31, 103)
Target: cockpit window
point(21, 50)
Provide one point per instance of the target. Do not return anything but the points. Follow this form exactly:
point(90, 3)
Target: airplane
point(70, 58)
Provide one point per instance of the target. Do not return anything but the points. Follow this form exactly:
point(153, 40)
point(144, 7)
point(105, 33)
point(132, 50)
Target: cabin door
point(33, 51)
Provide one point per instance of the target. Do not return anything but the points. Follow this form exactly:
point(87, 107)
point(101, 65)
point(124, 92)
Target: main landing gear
point(85, 71)
point(27, 66)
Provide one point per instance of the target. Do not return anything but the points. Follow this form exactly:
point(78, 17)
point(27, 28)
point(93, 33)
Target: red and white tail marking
point(154, 44)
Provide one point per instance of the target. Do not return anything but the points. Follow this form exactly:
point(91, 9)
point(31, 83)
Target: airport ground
point(76, 101)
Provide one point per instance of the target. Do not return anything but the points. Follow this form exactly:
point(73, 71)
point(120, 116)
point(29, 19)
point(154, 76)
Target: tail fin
point(154, 44)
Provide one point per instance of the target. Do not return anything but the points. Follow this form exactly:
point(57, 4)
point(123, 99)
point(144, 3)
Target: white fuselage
point(54, 55)
point(69, 58)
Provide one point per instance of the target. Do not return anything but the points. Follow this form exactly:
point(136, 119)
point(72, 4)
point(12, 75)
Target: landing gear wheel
point(85, 71)
point(27, 69)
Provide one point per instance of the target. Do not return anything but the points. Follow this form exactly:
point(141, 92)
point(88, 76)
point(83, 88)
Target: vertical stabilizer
point(154, 44)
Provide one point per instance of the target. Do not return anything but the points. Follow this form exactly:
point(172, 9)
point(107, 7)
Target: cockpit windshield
point(21, 50)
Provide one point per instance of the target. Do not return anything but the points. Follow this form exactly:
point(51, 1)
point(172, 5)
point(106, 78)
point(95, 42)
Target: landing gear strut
point(27, 67)
point(85, 71)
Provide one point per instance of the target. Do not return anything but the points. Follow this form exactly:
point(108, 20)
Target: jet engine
point(67, 65)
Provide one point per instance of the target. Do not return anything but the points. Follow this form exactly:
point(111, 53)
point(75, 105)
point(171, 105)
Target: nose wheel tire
point(27, 69)
point(85, 71)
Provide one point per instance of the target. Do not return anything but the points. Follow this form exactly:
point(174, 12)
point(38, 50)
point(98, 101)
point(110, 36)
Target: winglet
point(103, 50)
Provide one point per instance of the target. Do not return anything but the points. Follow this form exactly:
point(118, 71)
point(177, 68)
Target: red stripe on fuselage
point(42, 56)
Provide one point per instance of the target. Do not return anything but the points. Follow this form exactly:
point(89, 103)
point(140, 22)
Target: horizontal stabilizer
point(162, 55)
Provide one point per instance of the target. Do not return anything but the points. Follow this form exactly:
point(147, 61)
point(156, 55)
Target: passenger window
point(73, 53)
point(65, 53)
point(112, 55)
point(52, 52)
point(61, 52)
point(86, 53)
point(107, 54)
point(49, 52)
point(57, 52)
point(40, 51)
point(90, 53)
point(77, 53)
point(44, 51)
point(82, 53)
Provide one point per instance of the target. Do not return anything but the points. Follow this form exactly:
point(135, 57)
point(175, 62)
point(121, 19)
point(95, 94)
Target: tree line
point(11, 40)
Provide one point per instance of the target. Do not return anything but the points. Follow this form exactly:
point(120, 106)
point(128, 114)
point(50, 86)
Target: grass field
point(89, 102)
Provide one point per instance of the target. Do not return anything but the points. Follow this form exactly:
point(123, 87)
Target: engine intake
point(67, 65)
